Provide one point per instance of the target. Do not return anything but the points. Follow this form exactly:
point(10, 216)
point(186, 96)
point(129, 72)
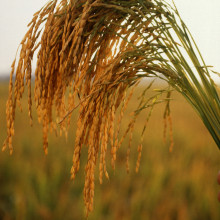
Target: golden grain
point(83, 51)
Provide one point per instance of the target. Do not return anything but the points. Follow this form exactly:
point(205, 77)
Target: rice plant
point(91, 55)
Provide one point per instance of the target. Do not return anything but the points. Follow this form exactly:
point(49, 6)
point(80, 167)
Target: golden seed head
point(83, 53)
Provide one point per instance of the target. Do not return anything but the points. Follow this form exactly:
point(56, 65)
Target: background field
point(179, 185)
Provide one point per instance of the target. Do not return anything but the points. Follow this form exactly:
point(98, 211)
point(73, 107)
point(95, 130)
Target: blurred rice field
point(169, 186)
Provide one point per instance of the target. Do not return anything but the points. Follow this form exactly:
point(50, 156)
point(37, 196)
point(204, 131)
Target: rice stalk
point(97, 50)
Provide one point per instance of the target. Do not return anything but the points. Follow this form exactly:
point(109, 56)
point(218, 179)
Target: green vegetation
point(170, 186)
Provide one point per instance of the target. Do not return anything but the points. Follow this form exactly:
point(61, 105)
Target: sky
point(201, 16)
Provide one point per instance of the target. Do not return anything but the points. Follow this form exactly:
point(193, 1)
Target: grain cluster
point(91, 55)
